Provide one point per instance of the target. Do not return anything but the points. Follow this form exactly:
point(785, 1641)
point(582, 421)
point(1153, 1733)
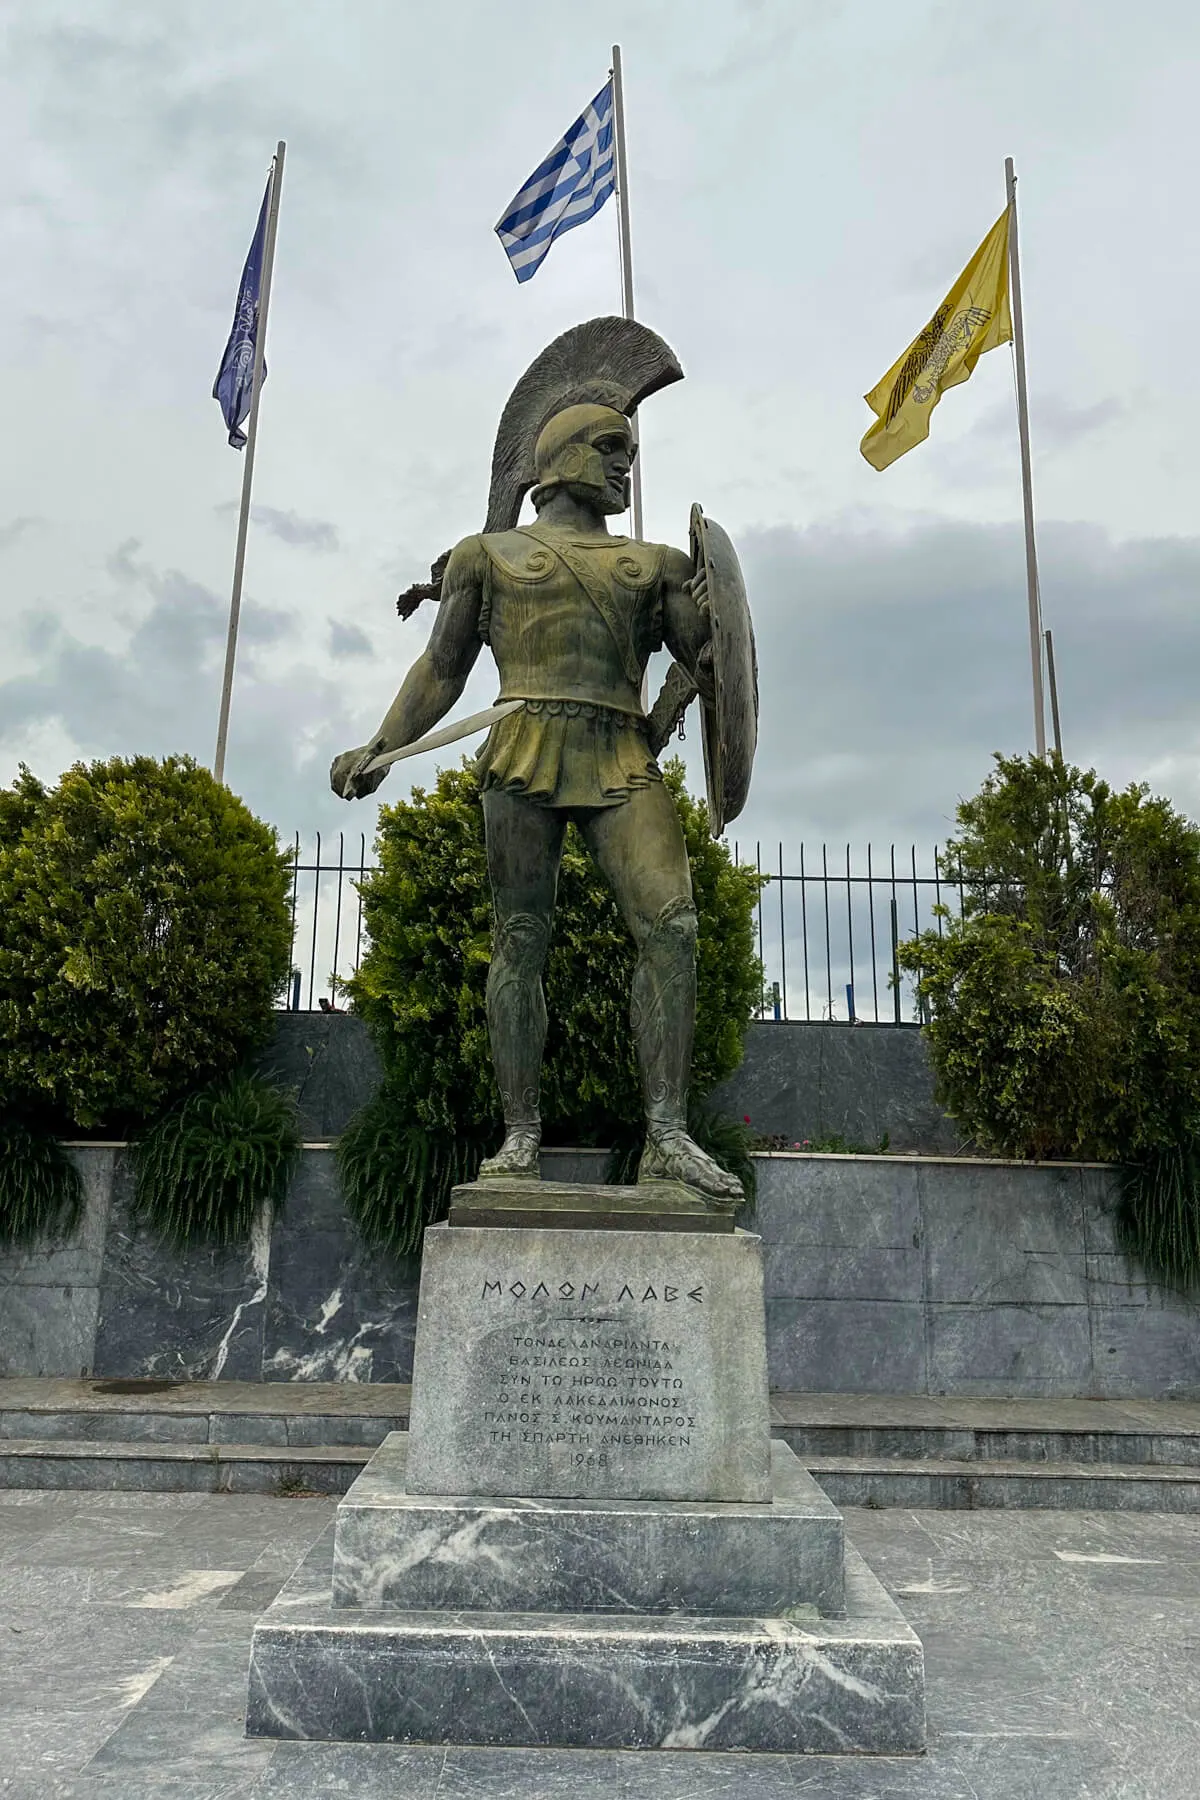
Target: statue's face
point(616, 451)
point(588, 450)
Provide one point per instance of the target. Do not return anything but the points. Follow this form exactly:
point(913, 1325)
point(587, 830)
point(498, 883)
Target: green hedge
point(144, 936)
point(1066, 1001)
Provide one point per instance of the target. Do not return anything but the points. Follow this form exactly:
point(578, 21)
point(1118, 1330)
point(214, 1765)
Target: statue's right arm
point(434, 682)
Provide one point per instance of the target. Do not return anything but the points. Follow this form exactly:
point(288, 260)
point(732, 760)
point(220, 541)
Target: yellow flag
point(973, 317)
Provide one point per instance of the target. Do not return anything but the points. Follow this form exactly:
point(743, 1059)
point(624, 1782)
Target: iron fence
point(829, 938)
point(327, 922)
point(828, 930)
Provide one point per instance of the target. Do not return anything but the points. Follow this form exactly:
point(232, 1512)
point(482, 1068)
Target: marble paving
point(1061, 1655)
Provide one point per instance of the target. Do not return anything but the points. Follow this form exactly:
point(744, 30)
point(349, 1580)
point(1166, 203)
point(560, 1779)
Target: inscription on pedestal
point(584, 1363)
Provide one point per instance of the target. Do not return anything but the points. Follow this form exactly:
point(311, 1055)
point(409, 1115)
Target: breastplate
point(551, 638)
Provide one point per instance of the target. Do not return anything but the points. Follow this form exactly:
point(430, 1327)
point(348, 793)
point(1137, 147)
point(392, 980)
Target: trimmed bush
point(144, 936)
point(1066, 1002)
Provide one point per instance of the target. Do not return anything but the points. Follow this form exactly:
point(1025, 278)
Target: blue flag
point(235, 377)
point(564, 191)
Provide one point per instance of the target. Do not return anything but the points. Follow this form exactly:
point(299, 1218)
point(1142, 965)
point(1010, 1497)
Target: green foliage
point(421, 988)
point(207, 1167)
point(1159, 1217)
point(396, 1175)
point(144, 934)
point(41, 1195)
point(1066, 1002)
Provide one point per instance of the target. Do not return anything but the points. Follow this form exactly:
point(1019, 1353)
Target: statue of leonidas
point(571, 614)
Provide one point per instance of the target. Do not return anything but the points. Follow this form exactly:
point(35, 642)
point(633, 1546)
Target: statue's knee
point(520, 943)
point(674, 929)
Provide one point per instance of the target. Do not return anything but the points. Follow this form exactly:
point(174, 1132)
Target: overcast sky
point(806, 182)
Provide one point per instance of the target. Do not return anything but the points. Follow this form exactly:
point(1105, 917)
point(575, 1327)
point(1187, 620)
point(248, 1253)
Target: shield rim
point(712, 716)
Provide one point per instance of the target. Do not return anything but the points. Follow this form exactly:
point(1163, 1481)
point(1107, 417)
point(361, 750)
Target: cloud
point(289, 527)
point(14, 529)
point(348, 640)
point(1055, 422)
point(894, 662)
point(158, 694)
point(180, 604)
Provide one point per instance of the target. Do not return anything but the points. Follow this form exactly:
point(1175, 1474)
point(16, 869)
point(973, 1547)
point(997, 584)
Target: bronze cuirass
point(573, 618)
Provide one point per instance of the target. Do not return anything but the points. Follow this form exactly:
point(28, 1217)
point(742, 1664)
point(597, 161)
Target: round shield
point(730, 724)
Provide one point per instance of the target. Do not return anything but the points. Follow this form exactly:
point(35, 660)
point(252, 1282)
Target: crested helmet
point(565, 453)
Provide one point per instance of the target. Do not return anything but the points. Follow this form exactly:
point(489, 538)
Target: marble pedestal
point(417, 1552)
point(580, 1363)
point(587, 1680)
point(587, 1539)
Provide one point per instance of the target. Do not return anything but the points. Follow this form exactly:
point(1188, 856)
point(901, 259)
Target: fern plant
point(41, 1195)
point(397, 1173)
point(1158, 1220)
point(206, 1168)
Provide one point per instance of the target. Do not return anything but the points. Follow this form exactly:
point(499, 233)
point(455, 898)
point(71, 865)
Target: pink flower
point(745, 1118)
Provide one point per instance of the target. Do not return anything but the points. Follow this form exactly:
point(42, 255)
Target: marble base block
point(587, 1681)
point(414, 1551)
point(590, 1364)
point(584, 1205)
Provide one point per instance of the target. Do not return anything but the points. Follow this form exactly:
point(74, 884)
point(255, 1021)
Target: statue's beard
point(600, 499)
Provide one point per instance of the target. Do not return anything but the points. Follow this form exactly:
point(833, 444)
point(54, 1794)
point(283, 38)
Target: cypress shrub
point(144, 937)
point(1065, 1003)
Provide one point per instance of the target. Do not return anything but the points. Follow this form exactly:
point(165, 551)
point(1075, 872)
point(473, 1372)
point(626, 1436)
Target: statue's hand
point(346, 776)
point(698, 588)
point(705, 675)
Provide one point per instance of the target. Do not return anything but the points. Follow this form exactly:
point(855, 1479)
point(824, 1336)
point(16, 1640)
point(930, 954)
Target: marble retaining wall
point(883, 1274)
point(860, 1081)
point(958, 1276)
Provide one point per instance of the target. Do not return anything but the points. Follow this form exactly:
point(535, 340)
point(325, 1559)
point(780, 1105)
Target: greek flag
point(564, 191)
point(235, 377)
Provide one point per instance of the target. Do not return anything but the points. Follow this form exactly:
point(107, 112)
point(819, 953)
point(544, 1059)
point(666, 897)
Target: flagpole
point(239, 560)
point(1031, 567)
point(1053, 695)
point(626, 245)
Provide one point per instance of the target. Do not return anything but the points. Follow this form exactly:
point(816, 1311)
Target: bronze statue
point(572, 615)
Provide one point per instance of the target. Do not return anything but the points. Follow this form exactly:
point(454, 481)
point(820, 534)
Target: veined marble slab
point(417, 1551)
point(836, 1686)
point(590, 1364)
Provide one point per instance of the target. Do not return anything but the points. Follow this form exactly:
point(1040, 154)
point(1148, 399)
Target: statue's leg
point(640, 849)
point(524, 848)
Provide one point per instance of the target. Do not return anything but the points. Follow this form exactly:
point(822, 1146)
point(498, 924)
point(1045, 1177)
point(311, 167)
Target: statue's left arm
point(687, 633)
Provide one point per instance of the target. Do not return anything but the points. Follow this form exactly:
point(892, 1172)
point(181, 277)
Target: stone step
point(948, 1483)
point(586, 1680)
point(106, 1427)
point(90, 1463)
point(910, 1426)
point(279, 1413)
point(917, 1428)
point(955, 1485)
